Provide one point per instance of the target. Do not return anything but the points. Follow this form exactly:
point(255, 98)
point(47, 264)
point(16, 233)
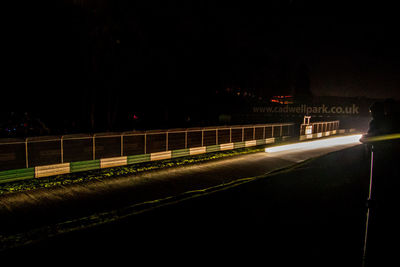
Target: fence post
point(186, 139)
point(166, 141)
point(202, 137)
point(145, 143)
point(94, 147)
point(122, 145)
point(216, 136)
point(26, 152)
point(230, 135)
point(62, 150)
point(242, 134)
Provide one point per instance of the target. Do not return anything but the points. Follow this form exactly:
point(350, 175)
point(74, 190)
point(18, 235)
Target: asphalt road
point(311, 215)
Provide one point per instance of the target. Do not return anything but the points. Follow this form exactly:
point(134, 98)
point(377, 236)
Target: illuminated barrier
point(311, 130)
point(113, 162)
point(271, 140)
point(86, 165)
point(197, 150)
point(239, 145)
point(160, 155)
point(15, 175)
point(227, 146)
point(138, 158)
point(50, 170)
point(180, 153)
point(317, 135)
point(50, 156)
point(63, 168)
point(212, 148)
point(102, 150)
point(251, 143)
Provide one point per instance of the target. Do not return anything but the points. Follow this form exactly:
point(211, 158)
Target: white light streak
point(334, 141)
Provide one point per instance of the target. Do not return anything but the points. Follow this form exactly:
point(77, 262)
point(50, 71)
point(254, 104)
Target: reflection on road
point(325, 143)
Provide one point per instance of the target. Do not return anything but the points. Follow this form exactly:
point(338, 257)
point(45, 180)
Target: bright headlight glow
point(334, 141)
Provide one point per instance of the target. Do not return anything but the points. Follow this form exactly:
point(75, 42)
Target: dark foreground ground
point(311, 215)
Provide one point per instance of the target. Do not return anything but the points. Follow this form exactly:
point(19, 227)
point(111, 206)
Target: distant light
point(335, 141)
point(282, 99)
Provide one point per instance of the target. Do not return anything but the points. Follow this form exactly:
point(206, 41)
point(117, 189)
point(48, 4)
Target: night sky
point(141, 55)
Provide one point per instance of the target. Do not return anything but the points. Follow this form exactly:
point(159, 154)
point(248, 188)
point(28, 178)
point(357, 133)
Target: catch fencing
point(43, 154)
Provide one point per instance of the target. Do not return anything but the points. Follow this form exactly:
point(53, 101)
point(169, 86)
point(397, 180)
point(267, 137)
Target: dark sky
point(211, 46)
point(353, 57)
point(159, 49)
point(353, 54)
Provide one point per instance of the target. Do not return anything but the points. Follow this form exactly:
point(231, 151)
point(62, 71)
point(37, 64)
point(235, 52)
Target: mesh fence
point(259, 133)
point(194, 139)
point(44, 152)
point(224, 136)
point(276, 131)
point(107, 146)
point(156, 142)
point(268, 132)
point(12, 155)
point(77, 149)
point(285, 130)
point(237, 135)
point(248, 134)
point(176, 140)
point(209, 137)
point(133, 144)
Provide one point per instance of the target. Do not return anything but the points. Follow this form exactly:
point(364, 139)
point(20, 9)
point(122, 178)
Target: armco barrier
point(18, 174)
point(87, 165)
point(63, 168)
point(317, 135)
point(50, 170)
point(318, 127)
point(52, 155)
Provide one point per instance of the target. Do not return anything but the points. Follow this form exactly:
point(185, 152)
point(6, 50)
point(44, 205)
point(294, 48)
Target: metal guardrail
point(47, 150)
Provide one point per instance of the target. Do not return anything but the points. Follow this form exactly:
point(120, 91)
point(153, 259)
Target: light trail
point(330, 142)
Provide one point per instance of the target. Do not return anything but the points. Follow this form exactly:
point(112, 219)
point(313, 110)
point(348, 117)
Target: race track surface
point(232, 221)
